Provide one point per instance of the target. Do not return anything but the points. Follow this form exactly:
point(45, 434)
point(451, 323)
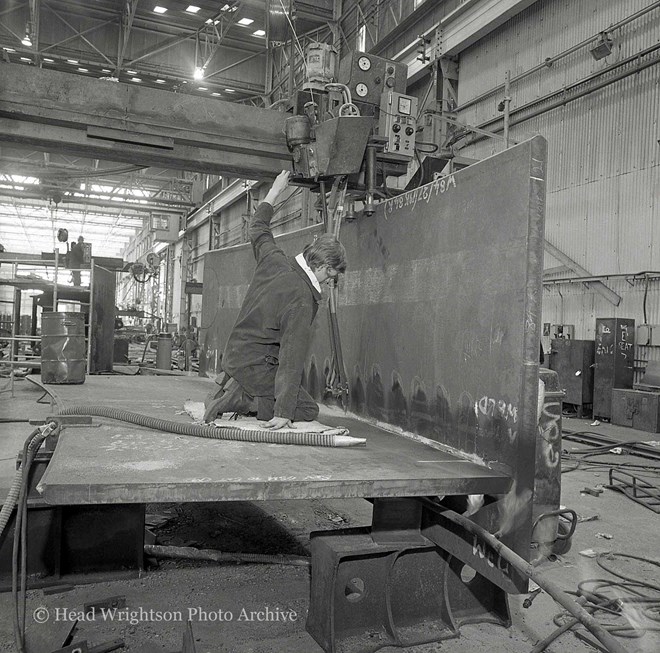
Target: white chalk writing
point(424, 194)
point(550, 432)
point(493, 559)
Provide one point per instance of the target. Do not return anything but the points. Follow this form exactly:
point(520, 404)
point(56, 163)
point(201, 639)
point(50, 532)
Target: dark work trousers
point(306, 408)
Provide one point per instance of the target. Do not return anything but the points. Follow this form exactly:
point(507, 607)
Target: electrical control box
point(368, 77)
point(563, 331)
point(615, 354)
point(398, 122)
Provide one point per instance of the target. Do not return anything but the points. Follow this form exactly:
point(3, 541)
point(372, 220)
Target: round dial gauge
point(364, 63)
point(361, 89)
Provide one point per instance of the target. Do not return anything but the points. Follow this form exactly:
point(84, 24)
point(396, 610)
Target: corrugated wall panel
point(546, 29)
point(603, 195)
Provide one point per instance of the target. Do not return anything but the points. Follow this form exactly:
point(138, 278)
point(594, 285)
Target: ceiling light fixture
point(202, 88)
point(9, 49)
point(246, 21)
point(192, 9)
point(103, 70)
point(83, 70)
point(47, 60)
point(73, 61)
point(198, 72)
point(230, 90)
point(259, 32)
point(160, 81)
point(159, 10)
point(26, 59)
point(215, 93)
point(135, 79)
point(131, 72)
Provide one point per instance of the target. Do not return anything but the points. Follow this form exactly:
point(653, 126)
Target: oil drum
point(63, 355)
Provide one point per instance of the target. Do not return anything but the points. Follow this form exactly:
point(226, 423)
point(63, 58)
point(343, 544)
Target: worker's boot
point(230, 399)
point(221, 381)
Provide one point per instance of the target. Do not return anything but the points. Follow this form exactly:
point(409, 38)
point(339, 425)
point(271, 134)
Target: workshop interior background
point(153, 129)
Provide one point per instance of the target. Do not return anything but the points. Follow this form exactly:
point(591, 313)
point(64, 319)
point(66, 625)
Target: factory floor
point(268, 603)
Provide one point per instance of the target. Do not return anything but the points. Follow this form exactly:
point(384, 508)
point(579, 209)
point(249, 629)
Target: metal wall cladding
point(574, 304)
point(603, 178)
point(547, 29)
point(603, 193)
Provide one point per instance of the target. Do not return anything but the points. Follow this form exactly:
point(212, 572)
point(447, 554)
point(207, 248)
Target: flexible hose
point(212, 432)
point(14, 491)
point(559, 595)
point(189, 553)
point(30, 448)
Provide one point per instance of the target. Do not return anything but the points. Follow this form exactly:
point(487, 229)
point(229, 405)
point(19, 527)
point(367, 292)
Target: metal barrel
point(164, 352)
point(63, 354)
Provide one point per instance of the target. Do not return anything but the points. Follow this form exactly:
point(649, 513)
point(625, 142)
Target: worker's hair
point(325, 250)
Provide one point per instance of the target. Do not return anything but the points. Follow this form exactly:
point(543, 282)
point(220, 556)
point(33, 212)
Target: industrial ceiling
point(213, 50)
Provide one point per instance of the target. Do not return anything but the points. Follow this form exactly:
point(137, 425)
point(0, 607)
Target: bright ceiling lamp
point(198, 72)
point(159, 10)
point(192, 9)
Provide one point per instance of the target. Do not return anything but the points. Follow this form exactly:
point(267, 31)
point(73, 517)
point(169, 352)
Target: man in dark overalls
point(266, 350)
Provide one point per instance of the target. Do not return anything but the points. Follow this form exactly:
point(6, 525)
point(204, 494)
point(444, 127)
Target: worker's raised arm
point(261, 236)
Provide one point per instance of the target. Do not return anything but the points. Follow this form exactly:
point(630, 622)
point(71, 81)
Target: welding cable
point(223, 433)
point(30, 448)
point(594, 600)
point(630, 579)
point(521, 565)
point(14, 491)
point(546, 641)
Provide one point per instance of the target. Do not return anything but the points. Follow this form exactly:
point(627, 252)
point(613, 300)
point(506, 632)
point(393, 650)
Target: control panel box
point(398, 122)
point(368, 77)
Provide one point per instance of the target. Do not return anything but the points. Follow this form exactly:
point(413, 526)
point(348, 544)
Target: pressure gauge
point(364, 63)
point(361, 89)
point(405, 106)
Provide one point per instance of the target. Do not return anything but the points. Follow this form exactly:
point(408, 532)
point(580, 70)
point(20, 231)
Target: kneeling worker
point(266, 350)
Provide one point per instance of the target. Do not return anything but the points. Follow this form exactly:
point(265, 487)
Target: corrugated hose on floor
point(212, 432)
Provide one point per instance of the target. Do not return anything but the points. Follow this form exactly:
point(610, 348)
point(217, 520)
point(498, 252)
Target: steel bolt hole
point(354, 590)
point(468, 574)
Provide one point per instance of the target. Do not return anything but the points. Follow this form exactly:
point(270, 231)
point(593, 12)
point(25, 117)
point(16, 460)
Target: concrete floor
point(205, 589)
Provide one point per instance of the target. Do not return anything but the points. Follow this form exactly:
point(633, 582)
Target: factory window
point(160, 222)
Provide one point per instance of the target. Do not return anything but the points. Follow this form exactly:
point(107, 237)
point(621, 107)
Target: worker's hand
point(280, 183)
point(279, 423)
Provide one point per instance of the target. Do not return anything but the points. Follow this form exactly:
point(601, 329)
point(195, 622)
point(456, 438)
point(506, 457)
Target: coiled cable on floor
point(569, 604)
point(212, 432)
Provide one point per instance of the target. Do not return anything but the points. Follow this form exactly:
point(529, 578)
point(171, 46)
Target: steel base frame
point(394, 584)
